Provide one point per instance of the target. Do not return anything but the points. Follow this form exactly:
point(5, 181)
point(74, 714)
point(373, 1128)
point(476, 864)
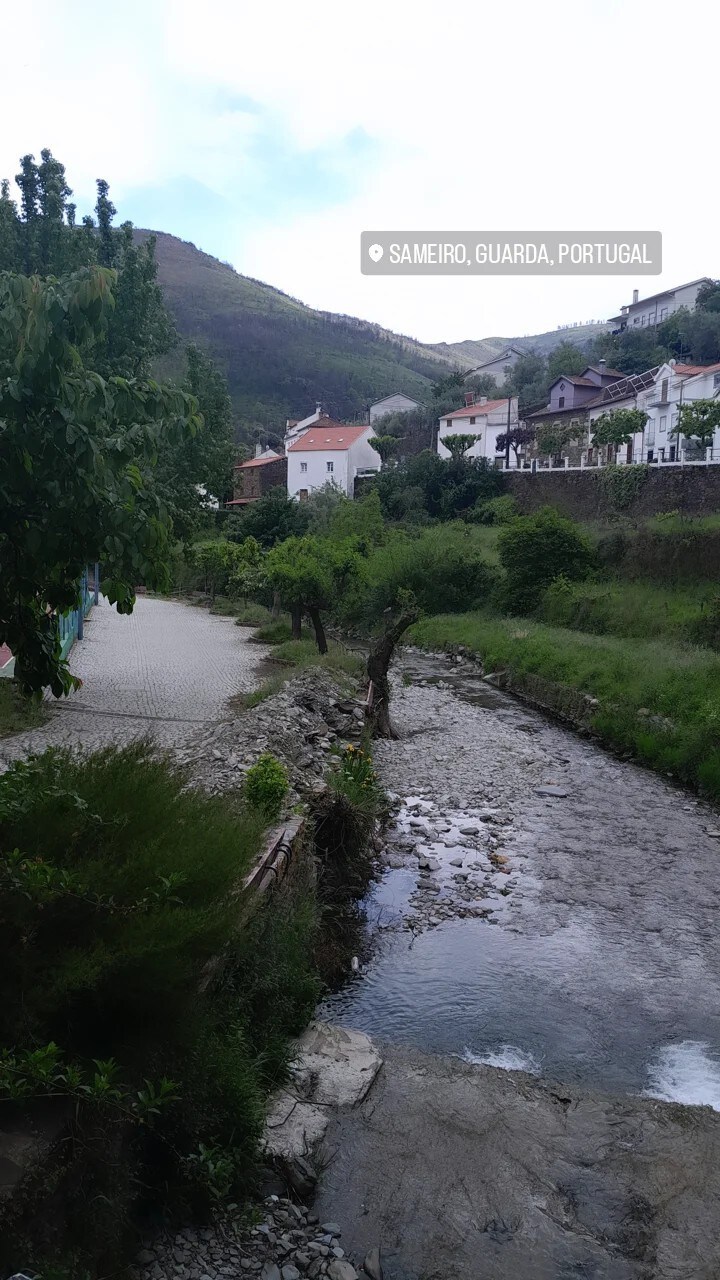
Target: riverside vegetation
point(626, 614)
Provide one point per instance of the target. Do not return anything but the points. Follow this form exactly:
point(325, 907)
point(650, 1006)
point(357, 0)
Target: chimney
point(318, 407)
point(636, 295)
point(601, 364)
point(258, 449)
point(469, 399)
point(482, 400)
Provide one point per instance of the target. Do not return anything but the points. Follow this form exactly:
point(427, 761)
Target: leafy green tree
point(528, 380)
point(698, 421)
point(619, 426)
point(310, 574)
point(458, 445)
point(516, 439)
point(139, 329)
point(565, 358)
point(77, 454)
point(386, 447)
point(552, 437)
point(271, 519)
point(708, 297)
point(200, 468)
point(535, 550)
point(9, 230)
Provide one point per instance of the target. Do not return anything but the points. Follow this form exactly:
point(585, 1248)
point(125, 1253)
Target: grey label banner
point(511, 253)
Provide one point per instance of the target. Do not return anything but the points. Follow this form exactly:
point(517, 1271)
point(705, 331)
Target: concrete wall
point(694, 491)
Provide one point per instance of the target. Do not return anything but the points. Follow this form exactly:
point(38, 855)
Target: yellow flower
point(349, 747)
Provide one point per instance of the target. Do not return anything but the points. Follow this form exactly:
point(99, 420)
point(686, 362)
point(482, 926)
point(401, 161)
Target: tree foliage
point(516, 438)
point(77, 458)
point(535, 550)
point(458, 445)
point(271, 519)
point(310, 574)
point(552, 437)
point(619, 426)
point(699, 420)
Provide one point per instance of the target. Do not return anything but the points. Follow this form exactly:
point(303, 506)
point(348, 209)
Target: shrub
point(266, 785)
point(622, 484)
point(500, 510)
point(445, 568)
point(536, 549)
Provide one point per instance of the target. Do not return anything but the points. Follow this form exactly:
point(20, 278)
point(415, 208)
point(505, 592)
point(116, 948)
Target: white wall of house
point(496, 368)
point(661, 403)
point(486, 426)
point(314, 468)
point(397, 403)
point(655, 309)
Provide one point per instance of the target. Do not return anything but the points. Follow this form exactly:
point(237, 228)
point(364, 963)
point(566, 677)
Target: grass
point(16, 712)
point(124, 888)
point(639, 609)
point(658, 700)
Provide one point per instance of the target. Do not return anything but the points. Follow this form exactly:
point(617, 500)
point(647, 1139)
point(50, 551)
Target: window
point(330, 466)
point(663, 313)
point(716, 381)
point(642, 320)
point(303, 466)
point(472, 422)
point(636, 320)
point(663, 423)
point(664, 391)
point(561, 402)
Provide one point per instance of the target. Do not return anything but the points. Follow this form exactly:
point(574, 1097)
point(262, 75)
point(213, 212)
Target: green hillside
point(280, 356)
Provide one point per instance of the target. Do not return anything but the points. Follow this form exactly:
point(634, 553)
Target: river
point(566, 921)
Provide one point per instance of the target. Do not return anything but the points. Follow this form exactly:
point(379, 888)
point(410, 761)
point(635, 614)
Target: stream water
point(565, 920)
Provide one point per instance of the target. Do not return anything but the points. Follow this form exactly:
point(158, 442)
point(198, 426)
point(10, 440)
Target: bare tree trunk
point(378, 664)
point(296, 621)
point(275, 606)
point(319, 632)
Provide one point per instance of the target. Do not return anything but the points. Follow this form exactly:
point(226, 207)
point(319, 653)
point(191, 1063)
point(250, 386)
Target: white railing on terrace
point(686, 458)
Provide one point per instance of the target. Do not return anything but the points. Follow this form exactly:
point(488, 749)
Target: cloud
point(273, 134)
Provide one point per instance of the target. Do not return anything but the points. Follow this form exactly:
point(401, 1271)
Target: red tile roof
point(476, 410)
point(328, 435)
point(239, 502)
point(696, 368)
point(259, 462)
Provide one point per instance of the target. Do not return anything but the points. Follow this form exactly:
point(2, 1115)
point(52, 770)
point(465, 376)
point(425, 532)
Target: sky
point(272, 134)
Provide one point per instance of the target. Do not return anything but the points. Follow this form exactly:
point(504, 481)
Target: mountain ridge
point(280, 356)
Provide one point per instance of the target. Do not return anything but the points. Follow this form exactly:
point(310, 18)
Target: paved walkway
point(162, 671)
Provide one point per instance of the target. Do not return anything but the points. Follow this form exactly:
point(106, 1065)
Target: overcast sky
point(271, 134)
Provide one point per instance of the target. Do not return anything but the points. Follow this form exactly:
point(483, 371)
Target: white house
point(496, 367)
point(397, 403)
point(675, 384)
point(642, 312)
point(294, 427)
point(486, 419)
point(330, 453)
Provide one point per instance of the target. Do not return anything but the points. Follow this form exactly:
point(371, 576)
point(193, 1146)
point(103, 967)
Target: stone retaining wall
point(692, 490)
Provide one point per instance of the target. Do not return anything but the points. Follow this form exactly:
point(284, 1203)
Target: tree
point(536, 549)
point(385, 446)
point(565, 358)
point(271, 519)
point(698, 420)
point(310, 574)
point(552, 437)
point(619, 426)
point(458, 445)
point(378, 665)
point(200, 468)
point(516, 438)
point(77, 456)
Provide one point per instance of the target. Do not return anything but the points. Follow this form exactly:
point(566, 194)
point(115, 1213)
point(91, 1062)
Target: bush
point(500, 510)
point(446, 568)
point(536, 549)
point(266, 785)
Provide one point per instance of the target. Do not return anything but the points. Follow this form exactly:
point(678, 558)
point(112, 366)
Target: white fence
point(684, 459)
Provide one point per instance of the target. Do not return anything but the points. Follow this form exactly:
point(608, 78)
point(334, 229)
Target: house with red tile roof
point(256, 477)
point(330, 452)
point(481, 417)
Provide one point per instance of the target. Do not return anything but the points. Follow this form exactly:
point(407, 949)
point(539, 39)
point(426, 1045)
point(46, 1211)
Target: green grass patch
point(658, 700)
point(16, 712)
point(630, 609)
